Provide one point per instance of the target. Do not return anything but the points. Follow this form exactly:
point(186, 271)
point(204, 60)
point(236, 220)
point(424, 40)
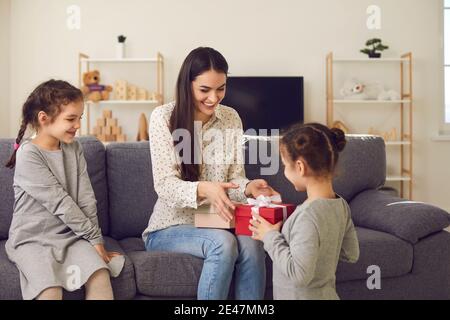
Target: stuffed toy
point(387, 95)
point(355, 90)
point(92, 89)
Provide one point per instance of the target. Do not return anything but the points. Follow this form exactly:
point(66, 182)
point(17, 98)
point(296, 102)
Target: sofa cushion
point(361, 166)
point(393, 255)
point(6, 188)
point(166, 274)
point(132, 244)
point(94, 153)
point(130, 186)
point(407, 220)
point(9, 277)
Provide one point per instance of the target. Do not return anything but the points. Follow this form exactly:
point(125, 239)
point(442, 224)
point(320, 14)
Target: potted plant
point(120, 49)
point(374, 46)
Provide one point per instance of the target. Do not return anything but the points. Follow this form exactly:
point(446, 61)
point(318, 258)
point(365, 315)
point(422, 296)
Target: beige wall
point(4, 67)
point(258, 37)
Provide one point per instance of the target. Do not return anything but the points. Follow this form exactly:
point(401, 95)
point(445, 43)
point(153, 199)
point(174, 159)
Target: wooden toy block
point(97, 130)
point(117, 130)
point(392, 135)
point(121, 138)
point(387, 136)
point(101, 122)
point(113, 129)
point(155, 96)
point(131, 92)
point(107, 114)
point(142, 94)
point(111, 122)
point(110, 137)
point(120, 90)
point(107, 130)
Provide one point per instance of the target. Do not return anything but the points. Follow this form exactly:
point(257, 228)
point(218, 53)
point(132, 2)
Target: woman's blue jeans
point(223, 253)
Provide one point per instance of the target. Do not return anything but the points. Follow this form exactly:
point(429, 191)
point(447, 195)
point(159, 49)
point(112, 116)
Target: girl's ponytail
point(12, 161)
point(338, 139)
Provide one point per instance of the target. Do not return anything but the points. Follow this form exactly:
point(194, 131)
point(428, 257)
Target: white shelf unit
point(125, 60)
point(367, 60)
point(398, 178)
point(337, 101)
point(405, 105)
point(85, 63)
point(398, 143)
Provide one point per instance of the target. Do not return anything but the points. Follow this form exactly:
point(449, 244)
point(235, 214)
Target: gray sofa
point(405, 240)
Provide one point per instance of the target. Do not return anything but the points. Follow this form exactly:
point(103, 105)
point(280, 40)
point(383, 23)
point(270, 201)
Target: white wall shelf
point(387, 143)
point(405, 103)
point(398, 178)
point(341, 101)
point(364, 60)
point(398, 143)
point(125, 60)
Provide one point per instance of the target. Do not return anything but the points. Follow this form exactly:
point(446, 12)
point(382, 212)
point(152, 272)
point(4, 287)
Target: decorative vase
point(120, 50)
point(374, 55)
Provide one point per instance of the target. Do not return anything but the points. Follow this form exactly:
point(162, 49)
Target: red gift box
point(243, 214)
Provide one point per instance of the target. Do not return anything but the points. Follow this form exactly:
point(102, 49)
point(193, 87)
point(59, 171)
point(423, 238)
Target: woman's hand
point(216, 193)
point(106, 256)
point(259, 187)
point(260, 226)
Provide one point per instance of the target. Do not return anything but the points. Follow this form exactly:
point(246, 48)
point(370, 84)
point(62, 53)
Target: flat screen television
point(265, 102)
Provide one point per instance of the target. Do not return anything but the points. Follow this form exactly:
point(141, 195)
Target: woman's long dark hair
point(48, 97)
point(197, 62)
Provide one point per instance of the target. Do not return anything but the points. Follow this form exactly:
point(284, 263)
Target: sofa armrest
point(407, 220)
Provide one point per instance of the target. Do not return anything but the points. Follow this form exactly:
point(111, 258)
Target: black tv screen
point(266, 102)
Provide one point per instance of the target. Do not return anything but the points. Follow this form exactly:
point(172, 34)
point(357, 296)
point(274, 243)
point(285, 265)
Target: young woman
point(55, 239)
point(306, 252)
point(182, 183)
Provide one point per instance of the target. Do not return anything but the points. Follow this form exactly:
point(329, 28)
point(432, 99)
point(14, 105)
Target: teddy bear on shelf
point(92, 89)
point(355, 90)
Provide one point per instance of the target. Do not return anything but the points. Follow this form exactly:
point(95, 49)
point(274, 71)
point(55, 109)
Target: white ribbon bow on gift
point(266, 202)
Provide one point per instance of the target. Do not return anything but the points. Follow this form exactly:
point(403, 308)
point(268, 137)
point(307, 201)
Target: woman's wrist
point(201, 189)
point(246, 192)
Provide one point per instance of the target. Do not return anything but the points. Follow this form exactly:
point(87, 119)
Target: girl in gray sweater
point(55, 239)
point(320, 232)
